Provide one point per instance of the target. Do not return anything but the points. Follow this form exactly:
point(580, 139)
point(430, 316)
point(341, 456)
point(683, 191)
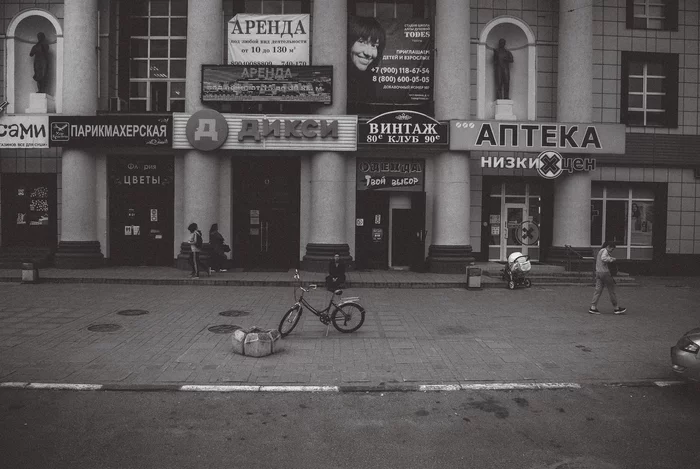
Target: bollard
point(473, 278)
point(30, 273)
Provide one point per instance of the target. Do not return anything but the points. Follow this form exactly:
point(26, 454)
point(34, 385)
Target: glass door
point(515, 233)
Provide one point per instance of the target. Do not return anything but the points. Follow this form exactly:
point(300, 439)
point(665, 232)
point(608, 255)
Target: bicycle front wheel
point(348, 318)
point(290, 320)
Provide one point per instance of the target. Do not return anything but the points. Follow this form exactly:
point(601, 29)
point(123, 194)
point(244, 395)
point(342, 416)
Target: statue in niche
point(502, 58)
point(40, 52)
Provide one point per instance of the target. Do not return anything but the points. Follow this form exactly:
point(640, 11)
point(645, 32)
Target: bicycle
point(347, 315)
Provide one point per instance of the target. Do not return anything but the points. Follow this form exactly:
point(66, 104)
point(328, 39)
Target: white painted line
point(663, 384)
point(219, 388)
point(65, 386)
point(299, 388)
point(439, 387)
point(13, 385)
point(506, 386)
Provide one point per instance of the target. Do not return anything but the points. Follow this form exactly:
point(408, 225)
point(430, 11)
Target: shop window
point(649, 91)
point(626, 218)
point(652, 14)
point(515, 188)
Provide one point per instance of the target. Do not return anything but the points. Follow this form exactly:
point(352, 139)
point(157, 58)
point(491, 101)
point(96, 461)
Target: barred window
point(649, 89)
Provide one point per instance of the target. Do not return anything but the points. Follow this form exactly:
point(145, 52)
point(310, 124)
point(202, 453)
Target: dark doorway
point(402, 236)
point(141, 205)
point(29, 209)
point(371, 234)
point(266, 213)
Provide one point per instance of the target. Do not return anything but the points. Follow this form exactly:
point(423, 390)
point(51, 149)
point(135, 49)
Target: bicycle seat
point(338, 292)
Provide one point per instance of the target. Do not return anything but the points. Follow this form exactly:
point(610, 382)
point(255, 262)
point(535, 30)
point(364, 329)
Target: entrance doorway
point(141, 206)
point(266, 213)
point(403, 235)
point(28, 209)
point(513, 216)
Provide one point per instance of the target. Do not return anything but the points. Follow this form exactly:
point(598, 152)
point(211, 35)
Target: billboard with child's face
point(390, 61)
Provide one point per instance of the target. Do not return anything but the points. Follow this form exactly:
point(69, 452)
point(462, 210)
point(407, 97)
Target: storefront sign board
point(123, 130)
point(403, 127)
point(277, 132)
point(390, 175)
point(24, 132)
point(531, 136)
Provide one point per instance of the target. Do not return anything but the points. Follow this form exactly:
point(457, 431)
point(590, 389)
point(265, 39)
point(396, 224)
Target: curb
point(285, 283)
point(381, 388)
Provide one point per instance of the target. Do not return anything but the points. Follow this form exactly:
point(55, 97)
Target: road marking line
point(299, 388)
point(439, 387)
point(663, 384)
point(503, 386)
point(13, 385)
point(221, 388)
point(65, 386)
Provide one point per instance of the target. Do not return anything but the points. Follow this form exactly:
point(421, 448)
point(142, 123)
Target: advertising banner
point(111, 130)
point(534, 136)
point(269, 39)
point(234, 83)
point(390, 175)
point(404, 128)
point(24, 132)
point(390, 61)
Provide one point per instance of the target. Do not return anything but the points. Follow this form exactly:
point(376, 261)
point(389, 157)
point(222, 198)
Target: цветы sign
point(537, 136)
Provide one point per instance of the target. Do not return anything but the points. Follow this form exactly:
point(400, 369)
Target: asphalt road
point(596, 427)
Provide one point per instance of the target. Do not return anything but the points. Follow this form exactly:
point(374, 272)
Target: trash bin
point(30, 273)
point(473, 278)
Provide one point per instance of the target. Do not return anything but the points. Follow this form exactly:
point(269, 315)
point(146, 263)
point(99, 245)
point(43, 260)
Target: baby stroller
point(516, 270)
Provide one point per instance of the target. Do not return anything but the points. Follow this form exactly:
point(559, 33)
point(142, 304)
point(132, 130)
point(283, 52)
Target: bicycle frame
point(301, 301)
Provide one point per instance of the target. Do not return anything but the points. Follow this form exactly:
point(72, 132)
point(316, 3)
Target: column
point(450, 251)
point(78, 247)
point(572, 192)
point(327, 234)
point(201, 179)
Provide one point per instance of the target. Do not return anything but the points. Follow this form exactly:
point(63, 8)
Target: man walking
point(604, 279)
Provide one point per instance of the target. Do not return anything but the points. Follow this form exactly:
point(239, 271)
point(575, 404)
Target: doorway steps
point(12, 257)
point(544, 274)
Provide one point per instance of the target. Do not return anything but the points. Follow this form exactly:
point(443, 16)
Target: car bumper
point(685, 364)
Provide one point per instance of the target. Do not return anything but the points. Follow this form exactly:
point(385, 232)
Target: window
point(624, 214)
point(652, 14)
point(649, 89)
point(273, 7)
point(158, 50)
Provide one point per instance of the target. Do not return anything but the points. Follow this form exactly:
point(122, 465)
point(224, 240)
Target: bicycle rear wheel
point(289, 320)
point(348, 318)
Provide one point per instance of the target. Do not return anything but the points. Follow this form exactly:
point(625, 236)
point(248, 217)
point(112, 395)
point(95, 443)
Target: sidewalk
point(540, 274)
point(411, 336)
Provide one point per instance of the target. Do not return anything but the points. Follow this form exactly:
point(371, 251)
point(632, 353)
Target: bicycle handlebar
point(311, 287)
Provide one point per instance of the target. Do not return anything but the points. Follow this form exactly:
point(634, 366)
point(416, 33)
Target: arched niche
point(20, 38)
point(520, 41)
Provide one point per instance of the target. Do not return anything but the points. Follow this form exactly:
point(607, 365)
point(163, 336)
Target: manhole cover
point(234, 313)
point(104, 327)
point(223, 329)
point(132, 312)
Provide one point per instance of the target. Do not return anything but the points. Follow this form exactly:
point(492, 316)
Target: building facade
point(486, 127)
